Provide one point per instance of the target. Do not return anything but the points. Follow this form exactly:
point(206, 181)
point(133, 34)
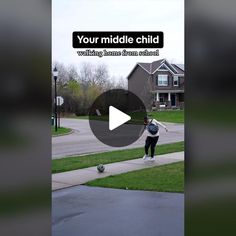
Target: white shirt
point(155, 122)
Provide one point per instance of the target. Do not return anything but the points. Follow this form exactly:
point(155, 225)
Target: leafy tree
point(80, 88)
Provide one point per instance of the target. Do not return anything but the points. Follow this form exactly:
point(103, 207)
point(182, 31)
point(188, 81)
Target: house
point(159, 84)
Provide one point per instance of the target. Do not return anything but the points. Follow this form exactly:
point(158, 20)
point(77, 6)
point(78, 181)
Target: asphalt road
point(82, 140)
point(90, 211)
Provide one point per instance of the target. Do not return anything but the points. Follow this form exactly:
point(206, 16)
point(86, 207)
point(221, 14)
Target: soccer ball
point(100, 168)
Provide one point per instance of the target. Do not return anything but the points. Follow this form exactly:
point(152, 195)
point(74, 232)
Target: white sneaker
point(145, 157)
point(152, 159)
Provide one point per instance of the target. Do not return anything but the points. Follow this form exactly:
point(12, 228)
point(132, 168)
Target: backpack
point(152, 128)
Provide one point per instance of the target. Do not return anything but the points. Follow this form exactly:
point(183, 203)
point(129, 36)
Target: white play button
point(111, 117)
point(117, 118)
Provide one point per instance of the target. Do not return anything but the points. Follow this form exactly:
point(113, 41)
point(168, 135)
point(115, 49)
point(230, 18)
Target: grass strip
point(60, 131)
point(166, 178)
point(79, 162)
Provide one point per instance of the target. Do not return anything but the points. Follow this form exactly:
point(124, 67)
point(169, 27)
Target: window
point(176, 81)
point(162, 80)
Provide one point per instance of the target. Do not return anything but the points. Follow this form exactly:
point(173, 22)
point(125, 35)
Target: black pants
point(151, 141)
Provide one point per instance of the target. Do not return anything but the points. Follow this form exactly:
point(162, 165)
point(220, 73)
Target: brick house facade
point(159, 84)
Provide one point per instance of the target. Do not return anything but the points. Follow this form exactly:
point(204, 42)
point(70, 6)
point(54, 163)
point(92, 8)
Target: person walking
point(152, 130)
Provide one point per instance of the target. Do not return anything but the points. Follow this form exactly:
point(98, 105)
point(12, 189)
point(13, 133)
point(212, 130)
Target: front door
point(172, 99)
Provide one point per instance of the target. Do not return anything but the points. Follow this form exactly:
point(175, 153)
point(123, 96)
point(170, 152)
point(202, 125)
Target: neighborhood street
point(82, 140)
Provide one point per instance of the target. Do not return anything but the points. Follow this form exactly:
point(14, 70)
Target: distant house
point(159, 84)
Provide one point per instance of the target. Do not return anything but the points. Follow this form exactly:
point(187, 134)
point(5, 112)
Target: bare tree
point(86, 74)
point(81, 87)
point(72, 73)
point(122, 83)
point(101, 76)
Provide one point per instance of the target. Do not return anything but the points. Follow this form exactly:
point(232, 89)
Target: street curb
point(58, 135)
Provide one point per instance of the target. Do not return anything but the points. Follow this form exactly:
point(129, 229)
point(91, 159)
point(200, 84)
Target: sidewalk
point(81, 176)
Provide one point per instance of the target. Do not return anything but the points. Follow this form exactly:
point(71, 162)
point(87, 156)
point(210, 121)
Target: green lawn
point(79, 162)
point(166, 178)
point(165, 116)
point(60, 131)
point(168, 116)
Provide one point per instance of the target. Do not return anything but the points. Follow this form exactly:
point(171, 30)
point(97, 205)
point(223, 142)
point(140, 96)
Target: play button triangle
point(117, 118)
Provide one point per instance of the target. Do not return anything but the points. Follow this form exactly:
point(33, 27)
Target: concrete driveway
point(82, 140)
point(96, 211)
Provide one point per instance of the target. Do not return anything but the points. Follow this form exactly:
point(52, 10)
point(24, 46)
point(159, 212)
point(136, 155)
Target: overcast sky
point(122, 15)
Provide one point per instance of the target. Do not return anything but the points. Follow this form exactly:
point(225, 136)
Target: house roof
point(153, 66)
point(179, 68)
